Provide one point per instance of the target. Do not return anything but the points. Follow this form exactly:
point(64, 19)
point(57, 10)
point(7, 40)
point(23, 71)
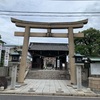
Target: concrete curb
point(51, 94)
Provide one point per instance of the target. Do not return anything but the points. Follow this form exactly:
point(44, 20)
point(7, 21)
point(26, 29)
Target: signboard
point(0, 50)
point(95, 69)
point(6, 58)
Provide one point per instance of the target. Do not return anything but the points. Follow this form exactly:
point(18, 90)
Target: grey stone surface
point(49, 87)
point(47, 74)
point(3, 71)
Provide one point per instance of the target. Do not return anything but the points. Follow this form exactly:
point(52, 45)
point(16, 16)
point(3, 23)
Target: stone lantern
point(14, 63)
point(15, 57)
point(79, 58)
point(79, 62)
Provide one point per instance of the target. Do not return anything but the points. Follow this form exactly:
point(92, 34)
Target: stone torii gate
point(49, 26)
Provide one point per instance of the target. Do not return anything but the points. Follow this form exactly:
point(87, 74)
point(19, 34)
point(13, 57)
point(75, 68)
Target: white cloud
point(7, 28)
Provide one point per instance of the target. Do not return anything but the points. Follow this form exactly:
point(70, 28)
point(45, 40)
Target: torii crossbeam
point(49, 26)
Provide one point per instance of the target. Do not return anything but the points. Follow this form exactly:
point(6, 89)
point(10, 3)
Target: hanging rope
point(53, 56)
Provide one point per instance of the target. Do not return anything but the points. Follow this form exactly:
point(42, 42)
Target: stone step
point(47, 74)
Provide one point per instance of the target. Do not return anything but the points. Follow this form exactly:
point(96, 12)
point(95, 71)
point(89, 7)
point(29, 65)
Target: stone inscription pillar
point(79, 79)
point(24, 55)
point(71, 54)
point(13, 76)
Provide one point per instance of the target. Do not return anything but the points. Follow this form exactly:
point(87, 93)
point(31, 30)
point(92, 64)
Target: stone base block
point(94, 83)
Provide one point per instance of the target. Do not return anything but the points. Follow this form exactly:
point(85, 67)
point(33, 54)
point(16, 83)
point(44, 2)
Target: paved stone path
point(49, 87)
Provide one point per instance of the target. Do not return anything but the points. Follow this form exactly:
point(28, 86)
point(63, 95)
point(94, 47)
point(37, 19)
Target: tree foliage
point(90, 44)
point(1, 41)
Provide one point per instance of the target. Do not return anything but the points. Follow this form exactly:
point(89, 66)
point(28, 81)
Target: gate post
point(24, 55)
point(71, 54)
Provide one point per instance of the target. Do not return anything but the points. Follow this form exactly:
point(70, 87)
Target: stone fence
point(3, 71)
point(94, 83)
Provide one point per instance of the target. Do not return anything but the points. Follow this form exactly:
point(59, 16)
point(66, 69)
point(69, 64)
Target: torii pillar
point(43, 25)
point(23, 62)
point(71, 54)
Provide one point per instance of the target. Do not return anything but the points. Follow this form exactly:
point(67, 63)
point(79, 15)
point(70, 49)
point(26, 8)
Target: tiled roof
point(14, 53)
point(94, 59)
point(48, 46)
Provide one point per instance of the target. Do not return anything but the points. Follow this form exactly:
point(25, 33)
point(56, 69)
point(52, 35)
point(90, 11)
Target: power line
point(49, 14)
point(42, 15)
point(75, 0)
point(8, 11)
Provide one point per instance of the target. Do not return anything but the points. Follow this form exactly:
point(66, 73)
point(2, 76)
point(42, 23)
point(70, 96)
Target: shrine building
point(48, 55)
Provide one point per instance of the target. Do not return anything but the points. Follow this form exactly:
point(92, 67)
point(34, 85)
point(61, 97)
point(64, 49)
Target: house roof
point(12, 46)
point(48, 46)
point(14, 53)
point(94, 59)
point(79, 55)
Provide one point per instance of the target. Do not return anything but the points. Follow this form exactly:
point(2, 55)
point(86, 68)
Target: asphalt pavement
point(23, 97)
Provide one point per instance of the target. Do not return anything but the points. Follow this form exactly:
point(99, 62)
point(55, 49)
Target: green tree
point(90, 44)
point(1, 40)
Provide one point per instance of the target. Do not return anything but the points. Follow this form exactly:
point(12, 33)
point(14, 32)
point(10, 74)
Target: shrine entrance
point(49, 26)
point(48, 56)
point(49, 63)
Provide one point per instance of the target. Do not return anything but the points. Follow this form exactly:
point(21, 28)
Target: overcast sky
point(7, 28)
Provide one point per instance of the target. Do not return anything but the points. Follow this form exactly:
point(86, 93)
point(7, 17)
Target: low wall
point(94, 83)
point(3, 71)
